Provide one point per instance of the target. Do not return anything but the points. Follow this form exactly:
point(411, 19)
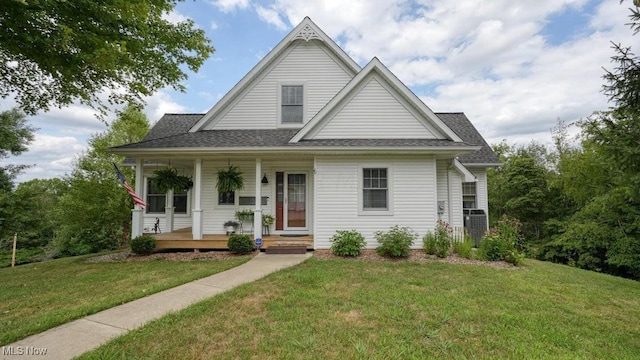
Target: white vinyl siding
point(443, 187)
point(413, 197)
point(455, 189)
point(306, 62)
point(373, 112)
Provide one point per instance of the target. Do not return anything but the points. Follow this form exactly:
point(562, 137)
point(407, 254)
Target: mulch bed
point(127, 256)
point(416, 255)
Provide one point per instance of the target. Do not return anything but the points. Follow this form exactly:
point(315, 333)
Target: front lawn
point(350, 309)
point(39, 296)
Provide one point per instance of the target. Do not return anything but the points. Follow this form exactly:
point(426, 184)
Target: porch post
point(168, 211)
point(137, 218)
point(196, 224)
point(257, 213)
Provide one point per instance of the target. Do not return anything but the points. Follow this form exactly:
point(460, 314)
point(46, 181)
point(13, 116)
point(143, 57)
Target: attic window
point(292, 104)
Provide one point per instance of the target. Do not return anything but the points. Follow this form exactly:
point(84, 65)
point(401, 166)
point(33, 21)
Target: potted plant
point(168, 179)
point(267, 219)
point(244, 215)
point(230, 179)
point(231, 226)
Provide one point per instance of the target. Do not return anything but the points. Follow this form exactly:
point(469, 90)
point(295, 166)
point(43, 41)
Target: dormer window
point(292, 104)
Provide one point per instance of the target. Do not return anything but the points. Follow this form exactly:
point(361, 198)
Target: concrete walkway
point(82, 335)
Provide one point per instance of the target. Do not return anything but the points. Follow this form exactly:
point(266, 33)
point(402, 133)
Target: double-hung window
point(292, 104)
point(375, 189)
point(156, 200)
point(469, 195)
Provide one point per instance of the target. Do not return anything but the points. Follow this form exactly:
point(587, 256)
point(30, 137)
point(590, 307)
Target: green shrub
point(396, 242)
point(500, 243)
point(429, 243)
point(143, 245)
point(464, 248)
point(240, 244)
point(347, 243)
point(439, 242)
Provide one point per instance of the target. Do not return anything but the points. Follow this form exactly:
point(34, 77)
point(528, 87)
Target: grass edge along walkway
point(80, 336)
point(39, 296)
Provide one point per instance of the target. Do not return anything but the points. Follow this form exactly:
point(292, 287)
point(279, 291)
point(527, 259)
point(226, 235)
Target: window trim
point(390, 180)
point(304, 105)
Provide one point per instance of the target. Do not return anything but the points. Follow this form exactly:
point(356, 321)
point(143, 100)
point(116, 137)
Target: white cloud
point(174, 17)
point(51, 156)
point(159, 104)
point(213, 26)
point(271, 16)
point(231, 5)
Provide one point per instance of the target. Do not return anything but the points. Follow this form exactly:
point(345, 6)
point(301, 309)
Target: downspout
point(449, 195)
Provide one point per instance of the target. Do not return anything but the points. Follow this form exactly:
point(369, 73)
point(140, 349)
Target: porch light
point(264, 179)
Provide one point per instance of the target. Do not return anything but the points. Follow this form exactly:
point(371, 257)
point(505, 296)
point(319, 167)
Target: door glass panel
point(297, 197)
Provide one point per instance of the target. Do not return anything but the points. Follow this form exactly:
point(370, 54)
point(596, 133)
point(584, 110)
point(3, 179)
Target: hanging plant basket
point(230, 179)
point(168, 179)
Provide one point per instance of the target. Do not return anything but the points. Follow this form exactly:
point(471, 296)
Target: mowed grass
point(344, 309)
point(39, 296)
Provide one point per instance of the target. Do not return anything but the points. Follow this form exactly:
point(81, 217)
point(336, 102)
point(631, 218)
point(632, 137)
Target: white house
point(324, 144)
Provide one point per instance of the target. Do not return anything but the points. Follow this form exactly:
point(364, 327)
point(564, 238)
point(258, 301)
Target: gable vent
point(307, 33)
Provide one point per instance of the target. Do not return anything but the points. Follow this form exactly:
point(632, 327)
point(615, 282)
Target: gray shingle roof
point(171, 131)
point(460, 124)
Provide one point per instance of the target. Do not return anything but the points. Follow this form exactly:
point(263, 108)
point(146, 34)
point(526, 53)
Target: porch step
point(286, 249)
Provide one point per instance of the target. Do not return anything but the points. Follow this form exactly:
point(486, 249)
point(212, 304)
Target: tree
point(95, 212)
point(32, 214)
point(15, 135)
point(55, 52)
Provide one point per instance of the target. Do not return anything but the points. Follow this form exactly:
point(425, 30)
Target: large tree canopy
point(54, 52)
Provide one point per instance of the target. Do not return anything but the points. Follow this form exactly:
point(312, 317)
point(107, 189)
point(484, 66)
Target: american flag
point(136, 199)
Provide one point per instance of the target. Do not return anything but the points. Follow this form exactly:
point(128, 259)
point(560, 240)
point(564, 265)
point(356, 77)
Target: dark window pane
point(228, 198)
point(155, 203)
point(375, 199)
point(180, 203)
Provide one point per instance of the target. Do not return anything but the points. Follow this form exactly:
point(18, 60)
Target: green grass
point(39, 296)
point(23, 256)
point(402, 310)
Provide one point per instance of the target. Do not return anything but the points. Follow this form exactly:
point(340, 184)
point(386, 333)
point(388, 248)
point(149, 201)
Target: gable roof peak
point(308, 30)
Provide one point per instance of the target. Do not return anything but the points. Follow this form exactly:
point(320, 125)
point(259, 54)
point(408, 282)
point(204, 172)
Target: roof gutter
point(298, 150)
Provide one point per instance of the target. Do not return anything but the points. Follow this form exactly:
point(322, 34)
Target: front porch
point(183, 239)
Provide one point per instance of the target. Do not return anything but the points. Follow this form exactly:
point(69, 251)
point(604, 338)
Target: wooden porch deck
point(183, 239)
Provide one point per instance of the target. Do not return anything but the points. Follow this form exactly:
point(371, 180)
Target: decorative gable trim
point(307, 30)
point(387, 76)
point(307, 33)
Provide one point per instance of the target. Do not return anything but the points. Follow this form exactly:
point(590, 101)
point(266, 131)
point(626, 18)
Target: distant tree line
point(83, 212)
point(580, 203)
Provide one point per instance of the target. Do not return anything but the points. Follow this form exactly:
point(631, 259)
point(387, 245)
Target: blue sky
point(514, 67)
